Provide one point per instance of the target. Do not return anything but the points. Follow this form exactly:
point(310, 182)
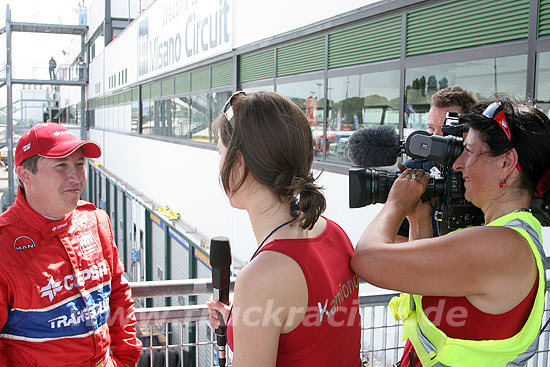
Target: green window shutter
point(200, 79)
point(222, 74)
point(145, 91)
point(372, 41)
point(466, 23)
point(257, 66)
point(135, 94)
point(128, 96)
point(183, 83)
point(544, 18)
point(156, 89)
point(301, 57)
point(167, 86)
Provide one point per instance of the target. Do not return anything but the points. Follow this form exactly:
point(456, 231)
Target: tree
point(419, 84)
point(443, 83)
point(350, 106)
point(432, 85)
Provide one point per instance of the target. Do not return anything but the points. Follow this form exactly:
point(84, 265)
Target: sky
point(31, 51)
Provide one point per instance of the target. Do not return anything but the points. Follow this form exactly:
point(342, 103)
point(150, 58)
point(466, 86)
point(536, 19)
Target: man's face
point(436, 118)
point(54, 190)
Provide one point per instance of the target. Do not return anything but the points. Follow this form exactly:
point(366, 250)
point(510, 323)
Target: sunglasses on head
point(228, 110)
point(495, 111)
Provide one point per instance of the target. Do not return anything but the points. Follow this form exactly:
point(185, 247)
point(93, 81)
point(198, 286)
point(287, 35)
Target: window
point(200, 118)
point(487, 78)
point(542, 89)
point(134, 116)
point(218, 101)
point(148, 118)
point(359, 101)
point(181, 116)
point(308, 95)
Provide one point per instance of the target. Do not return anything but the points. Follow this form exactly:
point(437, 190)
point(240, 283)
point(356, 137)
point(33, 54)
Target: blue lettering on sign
point(71, 318)
point(178, 238)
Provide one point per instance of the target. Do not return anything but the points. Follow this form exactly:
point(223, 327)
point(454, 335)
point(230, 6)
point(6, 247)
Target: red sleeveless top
point(330, 333)
point(459, 319)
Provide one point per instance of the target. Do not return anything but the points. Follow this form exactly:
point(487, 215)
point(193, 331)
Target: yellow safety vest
point(434, 348)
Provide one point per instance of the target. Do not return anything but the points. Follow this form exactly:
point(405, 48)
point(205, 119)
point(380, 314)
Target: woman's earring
point(502, 183)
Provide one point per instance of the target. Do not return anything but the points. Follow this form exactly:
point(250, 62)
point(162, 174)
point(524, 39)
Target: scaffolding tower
point(8, 81)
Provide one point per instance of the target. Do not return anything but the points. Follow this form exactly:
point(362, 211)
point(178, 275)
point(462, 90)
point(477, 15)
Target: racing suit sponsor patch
point(23, 243)
point(74, 317)
point(88, 244)
point(80, 278)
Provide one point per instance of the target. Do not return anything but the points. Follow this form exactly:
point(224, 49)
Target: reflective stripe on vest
point(435, 349)
point(522, 359)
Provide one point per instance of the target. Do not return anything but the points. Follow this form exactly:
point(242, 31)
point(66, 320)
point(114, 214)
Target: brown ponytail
point(274, 137)
point(312, 202)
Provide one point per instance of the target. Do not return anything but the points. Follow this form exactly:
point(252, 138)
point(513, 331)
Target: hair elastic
point(544, 184)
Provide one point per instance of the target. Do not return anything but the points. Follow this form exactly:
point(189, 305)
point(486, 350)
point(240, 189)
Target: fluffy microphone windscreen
point(376, 146)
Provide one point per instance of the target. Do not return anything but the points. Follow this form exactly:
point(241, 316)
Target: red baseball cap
point(53, 141)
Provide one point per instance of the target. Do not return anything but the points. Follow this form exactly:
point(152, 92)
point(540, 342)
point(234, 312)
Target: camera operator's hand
point(407, 190)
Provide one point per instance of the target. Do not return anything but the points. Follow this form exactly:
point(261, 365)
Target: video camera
point(380, 146)
point(369, 186)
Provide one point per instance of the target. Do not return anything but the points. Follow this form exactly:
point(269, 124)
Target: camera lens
point(368, 186)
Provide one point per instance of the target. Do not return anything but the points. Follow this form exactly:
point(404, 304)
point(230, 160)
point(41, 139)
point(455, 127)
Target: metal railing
point(63, 72)
point(381, 343)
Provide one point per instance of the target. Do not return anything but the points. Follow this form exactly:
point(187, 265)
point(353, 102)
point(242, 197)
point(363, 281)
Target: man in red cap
point(63, 298)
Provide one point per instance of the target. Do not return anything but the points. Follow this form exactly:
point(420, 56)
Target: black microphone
point(220, 259)
point(376, 146)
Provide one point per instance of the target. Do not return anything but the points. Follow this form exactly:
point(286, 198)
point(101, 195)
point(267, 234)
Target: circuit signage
point(175, 33)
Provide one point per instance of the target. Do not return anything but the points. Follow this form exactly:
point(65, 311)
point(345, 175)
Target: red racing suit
point(63, 298)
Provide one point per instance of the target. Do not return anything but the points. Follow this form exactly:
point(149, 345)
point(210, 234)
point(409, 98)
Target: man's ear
point(23, 174)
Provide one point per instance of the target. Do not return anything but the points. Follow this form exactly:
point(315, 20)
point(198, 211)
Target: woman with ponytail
point(296, 302)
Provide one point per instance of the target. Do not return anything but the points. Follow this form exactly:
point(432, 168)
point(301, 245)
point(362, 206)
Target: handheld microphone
point(376, 146)
point(220, 259)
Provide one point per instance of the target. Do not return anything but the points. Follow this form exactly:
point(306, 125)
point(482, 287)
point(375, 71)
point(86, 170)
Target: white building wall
point(96, 75)
point(247, 21)
point(119, 55)
point(187, 180)
point(96, 15)
point(124, 8)
point(256, 20)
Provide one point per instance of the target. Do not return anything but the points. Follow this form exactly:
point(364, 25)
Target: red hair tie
point(544, 184)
